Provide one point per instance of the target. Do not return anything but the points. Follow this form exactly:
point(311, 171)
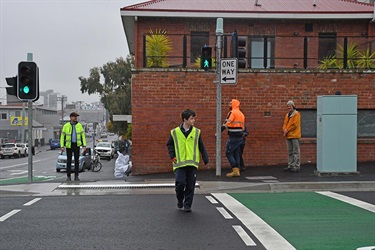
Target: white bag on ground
point(122, 165)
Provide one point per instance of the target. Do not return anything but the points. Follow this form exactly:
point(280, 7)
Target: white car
point(105, 150)
point(13, 149)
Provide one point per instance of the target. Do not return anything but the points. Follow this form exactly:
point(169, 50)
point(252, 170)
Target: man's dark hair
point(187, 113)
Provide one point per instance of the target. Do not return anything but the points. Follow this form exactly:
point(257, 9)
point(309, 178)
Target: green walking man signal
point(206, 58)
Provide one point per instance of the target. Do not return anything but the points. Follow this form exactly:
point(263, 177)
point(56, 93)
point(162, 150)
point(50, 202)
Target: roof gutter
point(258, 15)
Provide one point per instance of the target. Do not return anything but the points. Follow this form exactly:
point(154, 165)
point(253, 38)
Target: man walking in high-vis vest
point(72, 138)
point(184, 146)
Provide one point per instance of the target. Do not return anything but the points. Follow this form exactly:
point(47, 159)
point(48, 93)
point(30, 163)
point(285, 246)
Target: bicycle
point(95, 164)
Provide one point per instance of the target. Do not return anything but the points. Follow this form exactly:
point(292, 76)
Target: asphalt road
point(218, 221)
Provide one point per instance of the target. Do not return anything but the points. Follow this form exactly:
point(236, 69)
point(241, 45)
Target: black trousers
point(185, 185)
point(74, 150)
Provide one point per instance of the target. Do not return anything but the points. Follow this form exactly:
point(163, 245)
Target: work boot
point(235, 173)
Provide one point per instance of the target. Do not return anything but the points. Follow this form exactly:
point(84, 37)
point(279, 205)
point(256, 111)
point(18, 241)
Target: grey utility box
point(337, 134)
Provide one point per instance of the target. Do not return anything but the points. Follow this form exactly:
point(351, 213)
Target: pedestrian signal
point(206, 58)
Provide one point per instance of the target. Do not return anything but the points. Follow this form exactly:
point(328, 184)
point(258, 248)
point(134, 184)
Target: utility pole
point(62, 99)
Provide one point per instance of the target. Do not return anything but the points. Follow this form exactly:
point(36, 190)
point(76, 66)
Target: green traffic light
point(26, 90)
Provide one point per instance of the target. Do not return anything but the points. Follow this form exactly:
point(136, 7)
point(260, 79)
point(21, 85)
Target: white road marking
point(18, 172)
point(244, 236)
point(32, 201)
point(352, 201)
point(211, 199)
point(261, 178)
point(261, 230)
point(4, 217)
point(17, 165)
point(224, 213)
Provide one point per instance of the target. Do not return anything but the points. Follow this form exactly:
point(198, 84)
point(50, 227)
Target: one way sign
point(228, 71)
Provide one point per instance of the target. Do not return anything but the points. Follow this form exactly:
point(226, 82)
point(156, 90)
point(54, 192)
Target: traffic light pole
point(30, 131)
point(219, 41)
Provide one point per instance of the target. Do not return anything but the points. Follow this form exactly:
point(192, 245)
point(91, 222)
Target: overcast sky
point(67, 39)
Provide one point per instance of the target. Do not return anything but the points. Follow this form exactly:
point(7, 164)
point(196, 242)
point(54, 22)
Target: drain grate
point(119, 186)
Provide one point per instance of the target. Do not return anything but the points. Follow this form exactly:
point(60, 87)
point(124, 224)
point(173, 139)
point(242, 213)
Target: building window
point(257, 46)
point(327, 45)
point(365, 123)
point(3, 116)
point(18, 113)
point(198, 40)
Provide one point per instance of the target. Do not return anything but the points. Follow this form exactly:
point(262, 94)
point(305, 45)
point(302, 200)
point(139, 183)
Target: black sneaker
point(68, 178)
point(187, 209)
point(76, 178)
point(287, 169)
point(180, 205)
point(294, 170)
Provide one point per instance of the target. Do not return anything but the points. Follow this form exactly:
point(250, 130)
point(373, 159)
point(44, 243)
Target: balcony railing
point(326, 51)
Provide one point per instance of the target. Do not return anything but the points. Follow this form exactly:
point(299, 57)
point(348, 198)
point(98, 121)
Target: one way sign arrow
point(228, 78)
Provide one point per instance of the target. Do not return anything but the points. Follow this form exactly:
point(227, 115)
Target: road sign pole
point(219, 40)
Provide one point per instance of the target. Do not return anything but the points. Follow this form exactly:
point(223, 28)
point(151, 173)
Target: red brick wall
point(160, 95)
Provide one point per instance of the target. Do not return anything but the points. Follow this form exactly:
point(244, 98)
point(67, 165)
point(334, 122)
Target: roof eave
point(250, 15)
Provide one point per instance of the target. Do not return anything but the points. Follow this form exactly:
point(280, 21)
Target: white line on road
point(212, 199)
point(352, 201)
point(261, 230)
point(244, 236)
point(17, 165)
point(18, 172)
point(4, 217)
point(224, 213)
point(32, 202)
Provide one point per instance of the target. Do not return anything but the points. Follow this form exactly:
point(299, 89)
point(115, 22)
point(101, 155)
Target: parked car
point(55, 143)
point(103, 135)
point(84, 160)
point(105, 150)
point(26, 149)
point(13, 149)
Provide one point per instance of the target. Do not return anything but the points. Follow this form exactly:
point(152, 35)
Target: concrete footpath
point(254, 179)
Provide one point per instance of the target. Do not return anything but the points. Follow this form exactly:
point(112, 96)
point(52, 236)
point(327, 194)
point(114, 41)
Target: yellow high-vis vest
point(66, 135)
point(187, 149)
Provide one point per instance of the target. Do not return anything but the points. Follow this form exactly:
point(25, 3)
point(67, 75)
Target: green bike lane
point(309, 220)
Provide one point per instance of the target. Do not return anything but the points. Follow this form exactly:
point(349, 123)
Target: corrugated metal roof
point(253, 6)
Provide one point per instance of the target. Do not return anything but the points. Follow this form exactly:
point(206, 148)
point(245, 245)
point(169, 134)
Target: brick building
point(286, 41)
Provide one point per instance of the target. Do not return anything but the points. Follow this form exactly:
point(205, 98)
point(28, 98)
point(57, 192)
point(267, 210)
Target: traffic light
point(206, 58)
point(241, 52)
point(238, 49)
point(12, 82)
point(28, 81)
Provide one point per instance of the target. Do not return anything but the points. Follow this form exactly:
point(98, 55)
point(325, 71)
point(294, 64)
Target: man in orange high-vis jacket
point(292, 132)
point(235, 123)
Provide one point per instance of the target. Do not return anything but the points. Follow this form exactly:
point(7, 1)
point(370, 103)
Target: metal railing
point(274, 52)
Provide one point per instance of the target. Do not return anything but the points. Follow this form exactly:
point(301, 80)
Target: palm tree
point(158, 45)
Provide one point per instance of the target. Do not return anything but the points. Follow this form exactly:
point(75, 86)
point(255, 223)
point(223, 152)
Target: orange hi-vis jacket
point(235, 122)
point(292, 123)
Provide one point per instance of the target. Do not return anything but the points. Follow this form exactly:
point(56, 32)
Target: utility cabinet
point(337, 134)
